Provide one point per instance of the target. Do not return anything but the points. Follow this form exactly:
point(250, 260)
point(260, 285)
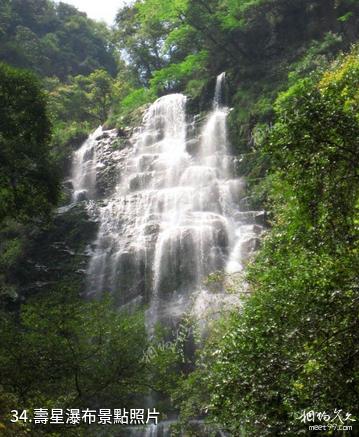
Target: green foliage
point(294, 346)
point(314, 146)
point(256, 41)
point(83, 98)
point(63, 351)
point(13, 241)
point(10, 252)
point(65, 138)
point(174, 75)
point(317, 57)
point(135, 99)
point(168, 42)
point(236, 13)
point(128, 110)
point(77, 107)
point(53, 39)
point(28, 181)
point(345, 17)
point(140, 41)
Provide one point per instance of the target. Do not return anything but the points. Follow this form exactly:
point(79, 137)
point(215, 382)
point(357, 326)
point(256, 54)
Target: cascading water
point(218, 91)
point(83, 172)
point(173, 216)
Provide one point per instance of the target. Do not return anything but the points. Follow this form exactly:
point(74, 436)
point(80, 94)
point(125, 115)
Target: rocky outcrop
point(59, 254)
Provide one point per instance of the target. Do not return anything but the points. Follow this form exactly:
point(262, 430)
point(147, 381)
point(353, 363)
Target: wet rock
point(251, 245)
point(261, 218)
point(57, 253)
point(103, 136)
point(192, 146)
point(245, 204)
point(152, 229)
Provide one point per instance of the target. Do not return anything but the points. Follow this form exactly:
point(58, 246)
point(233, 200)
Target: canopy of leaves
point(28, 181)
point(83, 98)
point(53, 39)
point(62, 351)
point(295, 345)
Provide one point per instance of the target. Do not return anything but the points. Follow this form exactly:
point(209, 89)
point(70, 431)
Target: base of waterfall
point(163, 429)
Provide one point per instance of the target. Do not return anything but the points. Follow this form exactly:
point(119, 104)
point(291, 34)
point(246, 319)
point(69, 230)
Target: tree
point(100, 93)
point(29, 185)
point(295, 346)
point(84, 98)
point(140, 44)
point(62, 351)
point(53, 39)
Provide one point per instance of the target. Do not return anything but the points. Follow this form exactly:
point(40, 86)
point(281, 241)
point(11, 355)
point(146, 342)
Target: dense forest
point(292, 80)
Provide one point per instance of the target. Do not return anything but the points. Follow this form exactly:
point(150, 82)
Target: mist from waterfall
point(173, 217)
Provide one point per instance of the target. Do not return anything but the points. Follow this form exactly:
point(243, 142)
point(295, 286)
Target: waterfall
point(176, 214)
point(173, 217)
point(83, 172)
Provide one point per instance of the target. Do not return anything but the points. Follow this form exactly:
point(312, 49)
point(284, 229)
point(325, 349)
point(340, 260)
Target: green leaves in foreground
point(28, 177)
point(64, 352)
point(295, 345)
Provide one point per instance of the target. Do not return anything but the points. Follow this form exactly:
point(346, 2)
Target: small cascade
point(218, 91)
point(83, 172)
